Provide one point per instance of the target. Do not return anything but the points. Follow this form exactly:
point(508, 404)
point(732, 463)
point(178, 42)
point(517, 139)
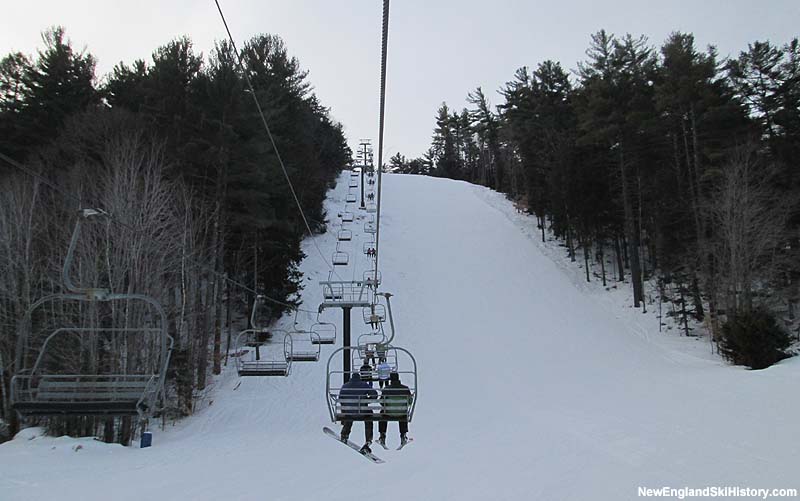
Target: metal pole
point(363, 168)
point(380, 130)
point(346, 343)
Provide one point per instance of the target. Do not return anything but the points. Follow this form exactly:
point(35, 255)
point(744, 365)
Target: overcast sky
point(438, 50)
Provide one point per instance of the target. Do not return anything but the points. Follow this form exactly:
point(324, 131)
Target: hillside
point(532, 386)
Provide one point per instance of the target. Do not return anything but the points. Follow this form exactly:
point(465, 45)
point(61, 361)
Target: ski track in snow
point(533, 385)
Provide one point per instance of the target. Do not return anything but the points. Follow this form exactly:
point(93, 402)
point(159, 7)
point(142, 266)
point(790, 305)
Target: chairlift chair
point(340, 258)
point(374, 314)
point(372, 278)
point(120, 383)
point(370, 228)
point(369, 248)
point(325, 333)
point(305, 346)
point(347, 217)
point(367, 346)
point(388, 406)
point(351, 198)
point(266, 358)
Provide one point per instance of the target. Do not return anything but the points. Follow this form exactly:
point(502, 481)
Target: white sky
point(438, 50)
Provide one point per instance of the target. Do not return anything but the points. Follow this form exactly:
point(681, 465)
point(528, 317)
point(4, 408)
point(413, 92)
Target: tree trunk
point(618, 254)
point(631, 234)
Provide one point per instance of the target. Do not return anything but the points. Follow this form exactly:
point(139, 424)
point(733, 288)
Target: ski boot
point(382, 440)
point(365, 449)
point(344, 437)
point(403, 439)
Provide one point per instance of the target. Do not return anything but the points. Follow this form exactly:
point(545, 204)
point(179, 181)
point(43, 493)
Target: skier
point(395, 400)
point(354, 397)
point(366, 371)
point(383, 369)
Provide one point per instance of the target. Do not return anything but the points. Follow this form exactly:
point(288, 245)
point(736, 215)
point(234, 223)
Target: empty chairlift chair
point(347, 217)
point(340, 258)
point(345, 235)
point(116, 367)
point(370, 228)
point(260, 351)
point(305, 346)
point(325, 333)
point(351, 198)
point(263, 353)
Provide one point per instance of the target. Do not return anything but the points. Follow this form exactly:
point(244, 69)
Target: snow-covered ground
point(533, 385)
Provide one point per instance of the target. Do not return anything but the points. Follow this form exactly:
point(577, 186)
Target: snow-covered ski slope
point(532, 386)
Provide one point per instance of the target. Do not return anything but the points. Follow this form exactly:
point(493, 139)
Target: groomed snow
point(532, 386)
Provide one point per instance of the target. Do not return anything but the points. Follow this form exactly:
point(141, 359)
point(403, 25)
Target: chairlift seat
point(83, 395)
point(264, 368)
point(375, 314)
point(340, 258)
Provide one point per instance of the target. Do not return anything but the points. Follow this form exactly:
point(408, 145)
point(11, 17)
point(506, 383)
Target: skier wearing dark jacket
point(395, 401)
point(354, 398)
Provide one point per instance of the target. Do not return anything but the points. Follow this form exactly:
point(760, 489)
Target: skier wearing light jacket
point(395, 398)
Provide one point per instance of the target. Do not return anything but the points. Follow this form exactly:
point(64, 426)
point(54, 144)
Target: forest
point(671, 169)
point(200, 216)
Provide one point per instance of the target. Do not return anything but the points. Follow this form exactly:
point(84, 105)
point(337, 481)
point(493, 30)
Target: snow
point(533, 385)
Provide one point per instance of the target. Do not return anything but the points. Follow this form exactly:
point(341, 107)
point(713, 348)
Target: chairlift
point(340, 258)
point(345, 235)
point(325, 333)
point(305, 346)
point(121, 384)
point(367, 346)
point(258, 348)
point(372, 278)
point(351, 198)
point(266, 357)
point(369, 248)
point(347, 217)
point(388, 406)
point(370, 227)
point(353, 183)
point(374, 314)
point(372, 207)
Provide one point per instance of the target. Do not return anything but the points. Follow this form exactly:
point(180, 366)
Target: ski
point(372, 457)
point(403, 445)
